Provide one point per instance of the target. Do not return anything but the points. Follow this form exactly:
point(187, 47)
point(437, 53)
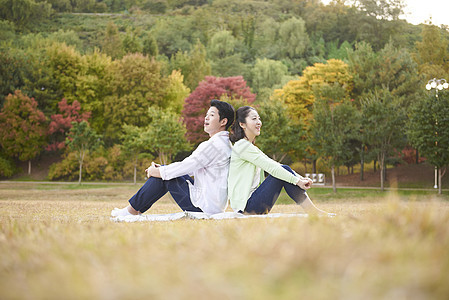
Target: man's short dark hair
point(225, 110)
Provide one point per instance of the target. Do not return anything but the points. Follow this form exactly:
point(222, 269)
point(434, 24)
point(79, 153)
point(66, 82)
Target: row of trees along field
point(110, 85)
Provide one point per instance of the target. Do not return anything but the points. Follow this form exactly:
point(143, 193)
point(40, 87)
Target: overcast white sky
point(419, 11)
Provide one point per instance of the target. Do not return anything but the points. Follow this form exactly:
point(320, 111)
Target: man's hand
point(153, 170)
point(305, 183)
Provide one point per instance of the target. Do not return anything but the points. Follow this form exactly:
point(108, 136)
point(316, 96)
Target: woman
point(248, 192)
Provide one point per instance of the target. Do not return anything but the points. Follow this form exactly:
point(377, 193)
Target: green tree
point(378, 21)
point(173, 34)
point(15, 68)
point(149, 45)
point(82, 139)
point(392, 69)
point(175, 93)
point(55, 71)
point(428, 131)
point(268, 73)
point(293, 38)
point(383, 120)
point(131, 42)
point(166, 133)
point(432, 53)
point(24, 13)
point(335, 124)
point(112, 44)
point(23, 128)
point(226, 61)
point(193, 65)
point(281, 137)
point(134, 143)
point(136, 84)
point(92, 87)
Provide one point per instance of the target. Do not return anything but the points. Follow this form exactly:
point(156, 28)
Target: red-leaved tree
point(231, 89)
point(23, 130)
point(62, 123)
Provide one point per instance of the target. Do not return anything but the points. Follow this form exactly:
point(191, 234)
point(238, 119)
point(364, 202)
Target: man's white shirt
point(209, 165)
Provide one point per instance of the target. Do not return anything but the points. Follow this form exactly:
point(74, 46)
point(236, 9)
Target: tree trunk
point(135, 171)
point(381, 166)
point(314, 166)
point(29, 167)
point(334, 185)
point(441, 172)
point(81, 169)
point(417, 157)
point(282, 157)
point(362, 165)
point(374, 165)
point(305, 165)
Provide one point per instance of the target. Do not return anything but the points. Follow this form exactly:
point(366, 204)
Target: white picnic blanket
point(198, 216)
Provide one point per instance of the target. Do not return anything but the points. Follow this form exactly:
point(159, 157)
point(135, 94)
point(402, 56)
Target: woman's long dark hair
point(237, 132)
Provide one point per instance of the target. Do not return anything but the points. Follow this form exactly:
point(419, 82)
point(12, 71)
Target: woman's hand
point(153, 170)
point(305, 183)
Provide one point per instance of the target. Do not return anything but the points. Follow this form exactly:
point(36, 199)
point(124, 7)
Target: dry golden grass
point(59, 243)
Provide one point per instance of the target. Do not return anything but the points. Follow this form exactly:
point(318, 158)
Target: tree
point(131, 42)
point(112, 43)
point(175, 93)
point(193, 65)
point(166, 135)
point(173, 35)
point(55, 74)
point(428, 131)
point(136, 84)
point(267, 73)
point(24, 13)
point(293, 38)
point(379, 21)
point(335, 124)
point(149, 45)
point(92, 87)
point(226, 61)
point(281, 137)
point(196, 105)
point(82, 139)
point(23, 130)
point(432, 53)
point(15, 67)
point(391, 68)
point(134, 143)
point(383, 120)
point(61, 123)
point(299, 94)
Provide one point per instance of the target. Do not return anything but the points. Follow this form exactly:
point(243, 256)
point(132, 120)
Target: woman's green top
point(245, 158)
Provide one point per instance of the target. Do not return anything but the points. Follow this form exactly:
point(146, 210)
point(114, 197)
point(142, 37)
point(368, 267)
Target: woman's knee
point(288, 168)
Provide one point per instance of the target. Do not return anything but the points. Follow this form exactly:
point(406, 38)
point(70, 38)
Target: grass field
point(57, 242)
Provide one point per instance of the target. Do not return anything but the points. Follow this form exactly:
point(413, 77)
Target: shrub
point(7, 167)
point(67, 169)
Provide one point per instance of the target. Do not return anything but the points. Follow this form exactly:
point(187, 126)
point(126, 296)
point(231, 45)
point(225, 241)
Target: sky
point(419, 11)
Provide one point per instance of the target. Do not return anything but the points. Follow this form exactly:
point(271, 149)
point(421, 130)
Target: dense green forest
point(335, 84)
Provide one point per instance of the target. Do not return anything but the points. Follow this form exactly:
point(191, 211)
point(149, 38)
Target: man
point(209, 165)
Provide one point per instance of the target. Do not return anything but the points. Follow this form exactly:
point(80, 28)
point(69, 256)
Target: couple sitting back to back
point(221, 171)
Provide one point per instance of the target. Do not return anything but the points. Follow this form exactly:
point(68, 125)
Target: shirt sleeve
point(200, 158)
point(255, 156)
